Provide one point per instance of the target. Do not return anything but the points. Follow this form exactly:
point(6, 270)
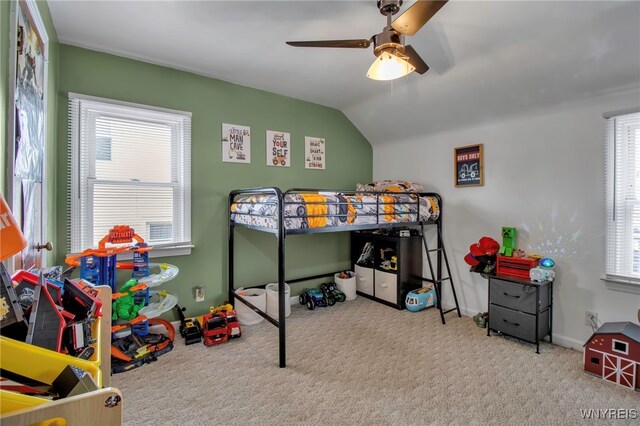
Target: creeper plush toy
point(508, 241)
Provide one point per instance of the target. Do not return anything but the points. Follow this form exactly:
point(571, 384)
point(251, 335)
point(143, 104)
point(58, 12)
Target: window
point(103, 148)
point(130, 165)
point(595, 360)
point(618, 346)
point(622, 187)
point(160, 232)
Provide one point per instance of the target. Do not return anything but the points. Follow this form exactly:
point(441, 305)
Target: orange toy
point(11, 239)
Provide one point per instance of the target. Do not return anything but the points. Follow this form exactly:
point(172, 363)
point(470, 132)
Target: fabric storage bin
point(257, 297)
point(272, 300)
point(347, 285)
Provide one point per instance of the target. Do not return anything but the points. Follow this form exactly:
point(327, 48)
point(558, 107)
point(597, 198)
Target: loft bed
point(301, 211)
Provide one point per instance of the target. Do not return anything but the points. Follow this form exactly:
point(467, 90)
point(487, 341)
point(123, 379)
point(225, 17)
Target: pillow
point(390, 186)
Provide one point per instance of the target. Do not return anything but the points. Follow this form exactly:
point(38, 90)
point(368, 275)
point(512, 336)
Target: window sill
point(620, 284)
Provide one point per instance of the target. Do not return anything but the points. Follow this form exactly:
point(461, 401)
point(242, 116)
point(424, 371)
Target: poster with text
point(314, 153)
point(469, 170)
point(278, 149)
point(236, 143)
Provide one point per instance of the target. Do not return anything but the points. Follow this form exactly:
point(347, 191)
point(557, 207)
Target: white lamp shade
point(388, 66)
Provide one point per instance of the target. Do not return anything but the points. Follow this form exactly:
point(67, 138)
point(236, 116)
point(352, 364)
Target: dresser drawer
point(518, 324)
point(517, 296)
point(364, 280)
point(386, 286)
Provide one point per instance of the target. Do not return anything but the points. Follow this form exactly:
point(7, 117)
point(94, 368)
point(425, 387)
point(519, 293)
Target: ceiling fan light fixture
point(389, 66)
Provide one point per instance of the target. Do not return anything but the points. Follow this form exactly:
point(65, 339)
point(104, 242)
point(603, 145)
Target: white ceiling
point(487, 59)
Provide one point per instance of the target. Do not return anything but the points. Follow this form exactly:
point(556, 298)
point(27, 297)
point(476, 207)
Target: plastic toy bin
point(43, 365)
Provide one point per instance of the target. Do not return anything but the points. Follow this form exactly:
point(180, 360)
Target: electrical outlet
point(199, 294)
point(590, 319)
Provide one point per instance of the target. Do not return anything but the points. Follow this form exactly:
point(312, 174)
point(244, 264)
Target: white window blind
point(130, 165)
point(622, 188)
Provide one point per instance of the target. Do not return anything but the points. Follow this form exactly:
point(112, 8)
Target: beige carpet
point(364, 363)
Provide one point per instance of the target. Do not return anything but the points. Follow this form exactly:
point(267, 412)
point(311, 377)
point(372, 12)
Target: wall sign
point(314, 153)
point(236, 143)
point(469, 169)
point(278, 149)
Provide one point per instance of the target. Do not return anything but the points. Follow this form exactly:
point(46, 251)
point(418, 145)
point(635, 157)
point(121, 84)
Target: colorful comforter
point(319, 210)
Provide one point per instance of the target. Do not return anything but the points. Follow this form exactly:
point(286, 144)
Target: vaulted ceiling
point(487, 59)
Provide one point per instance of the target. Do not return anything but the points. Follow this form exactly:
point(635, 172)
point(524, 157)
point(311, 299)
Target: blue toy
point(313, 297)
point(421, 298)
point(544, 271)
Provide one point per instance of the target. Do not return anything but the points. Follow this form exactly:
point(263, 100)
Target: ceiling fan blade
point(415, 60)
point(357, 44)
point(417, 15)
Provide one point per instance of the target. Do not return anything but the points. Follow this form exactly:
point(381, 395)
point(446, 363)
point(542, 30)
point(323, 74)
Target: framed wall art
point(236, 143)
point(314, 153)
point(278, 149)
point(469, 167)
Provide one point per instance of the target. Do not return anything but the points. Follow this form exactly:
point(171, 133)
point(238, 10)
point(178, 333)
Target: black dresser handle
point(510, 295)
point(511, 323)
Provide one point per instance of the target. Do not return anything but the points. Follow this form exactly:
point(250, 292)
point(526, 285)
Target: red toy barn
point(613, 353)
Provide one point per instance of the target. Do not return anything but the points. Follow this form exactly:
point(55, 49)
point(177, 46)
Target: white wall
point(543, 175)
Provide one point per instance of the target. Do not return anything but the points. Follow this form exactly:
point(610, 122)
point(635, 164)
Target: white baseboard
point(567, 342)
point(559, 340)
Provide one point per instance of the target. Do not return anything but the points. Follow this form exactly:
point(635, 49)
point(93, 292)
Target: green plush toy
point(124, 307)
point(508, 241)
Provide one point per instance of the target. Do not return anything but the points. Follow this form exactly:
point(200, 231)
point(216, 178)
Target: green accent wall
point(52, 90)
point(4, 89)
point(213, 102)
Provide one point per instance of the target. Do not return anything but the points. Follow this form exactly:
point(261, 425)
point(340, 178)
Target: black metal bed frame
point(436, 276)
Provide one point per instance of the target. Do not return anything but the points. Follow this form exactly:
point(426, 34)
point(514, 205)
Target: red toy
point(613, 353)
point(516, 266)
point(220, 324)
point(233, 326)
point(214, 328)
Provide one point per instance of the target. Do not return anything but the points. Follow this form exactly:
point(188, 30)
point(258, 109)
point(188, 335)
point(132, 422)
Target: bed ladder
point(436, 278)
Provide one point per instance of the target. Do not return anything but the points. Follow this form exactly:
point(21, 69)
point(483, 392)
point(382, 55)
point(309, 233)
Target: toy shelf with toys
point(55, 361)
point(135, 305)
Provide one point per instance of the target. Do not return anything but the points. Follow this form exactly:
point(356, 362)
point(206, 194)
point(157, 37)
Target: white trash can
point(272, 300)
point(258, 298)
point(347, 285)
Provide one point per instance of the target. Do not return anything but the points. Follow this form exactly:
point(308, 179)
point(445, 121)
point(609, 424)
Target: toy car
point(233, 325)
point(331, 292)
point(226, 310)
point(421, 298)
point(313, 297)
point(215, 329)
point(189, 328)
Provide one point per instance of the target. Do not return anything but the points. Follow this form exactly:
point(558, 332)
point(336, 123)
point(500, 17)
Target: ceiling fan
point(394, 59)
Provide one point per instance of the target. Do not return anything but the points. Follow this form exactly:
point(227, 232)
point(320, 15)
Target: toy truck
point(189, 328)
point(233, 325)
point(215, 329)
point(220, 325)
point(232, 319)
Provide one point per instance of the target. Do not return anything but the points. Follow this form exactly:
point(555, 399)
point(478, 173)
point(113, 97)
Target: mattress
point(322, 210)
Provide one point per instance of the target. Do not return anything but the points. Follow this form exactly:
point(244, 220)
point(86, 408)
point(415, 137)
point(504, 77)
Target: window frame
point(78, 188)
point(612, 281)
point(613, 347)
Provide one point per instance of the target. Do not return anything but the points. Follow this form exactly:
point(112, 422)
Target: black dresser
point(520, 308)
